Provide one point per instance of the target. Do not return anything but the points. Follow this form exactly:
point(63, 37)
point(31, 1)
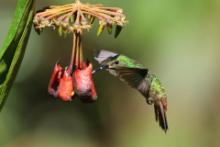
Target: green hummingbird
point(138, 77)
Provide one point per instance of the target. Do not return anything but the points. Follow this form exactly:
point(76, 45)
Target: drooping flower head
point(73, 18)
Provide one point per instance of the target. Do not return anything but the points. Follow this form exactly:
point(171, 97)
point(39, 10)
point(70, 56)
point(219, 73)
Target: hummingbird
point(138, 77)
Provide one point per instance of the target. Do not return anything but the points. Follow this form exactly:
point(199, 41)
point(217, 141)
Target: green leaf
point(11, 54)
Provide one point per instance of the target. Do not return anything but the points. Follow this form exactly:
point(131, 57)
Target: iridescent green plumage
point(137, 76)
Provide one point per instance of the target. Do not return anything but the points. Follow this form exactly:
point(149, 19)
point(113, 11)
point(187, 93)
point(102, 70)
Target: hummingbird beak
point(102, 67)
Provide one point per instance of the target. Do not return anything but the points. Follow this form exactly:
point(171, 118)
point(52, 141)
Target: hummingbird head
point(106, 60)
point(108, 64)
point(114, 60)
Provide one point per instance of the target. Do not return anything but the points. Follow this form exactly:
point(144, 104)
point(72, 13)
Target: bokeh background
point(179, 40)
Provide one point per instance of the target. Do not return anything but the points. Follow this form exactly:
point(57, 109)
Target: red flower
point(76, 78)
point(85, 86)
point(65, 89)
point(61, 84)
point(54, 80)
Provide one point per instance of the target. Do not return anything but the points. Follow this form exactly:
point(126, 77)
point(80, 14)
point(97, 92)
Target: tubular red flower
point(84, 84)
point(65, 90)
point(61, 84)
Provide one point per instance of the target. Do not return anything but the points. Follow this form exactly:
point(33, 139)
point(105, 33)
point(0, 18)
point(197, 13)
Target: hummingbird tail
point(160, 115)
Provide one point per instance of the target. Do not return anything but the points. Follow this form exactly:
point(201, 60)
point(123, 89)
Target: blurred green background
point(179, 40)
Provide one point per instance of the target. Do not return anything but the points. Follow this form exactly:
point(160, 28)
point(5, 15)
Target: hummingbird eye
point(116, 62)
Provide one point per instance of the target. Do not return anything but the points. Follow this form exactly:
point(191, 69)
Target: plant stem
point(73, 53)
point(76, 56)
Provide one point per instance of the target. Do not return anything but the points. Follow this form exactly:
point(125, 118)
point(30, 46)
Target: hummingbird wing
point(132, 76)
point(135, 77)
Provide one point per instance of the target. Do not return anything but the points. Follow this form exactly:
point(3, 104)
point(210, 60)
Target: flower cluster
point(65, 84)
point(78, 16)
point(76, 78)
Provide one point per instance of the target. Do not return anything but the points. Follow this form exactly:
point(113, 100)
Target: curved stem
point(76, 56)
point(76, 51)
point(72, 61)
point(80, 54)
